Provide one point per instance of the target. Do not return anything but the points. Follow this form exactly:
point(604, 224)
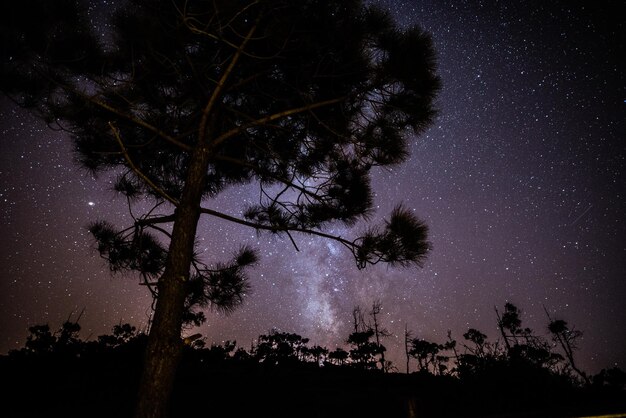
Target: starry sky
point(521, 180)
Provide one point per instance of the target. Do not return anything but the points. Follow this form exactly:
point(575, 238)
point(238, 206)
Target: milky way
point(521, 180)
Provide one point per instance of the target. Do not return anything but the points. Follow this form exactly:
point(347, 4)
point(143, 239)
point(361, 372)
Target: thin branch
point(273, 117)
point(241, 11)
point(258, 171)
point(130, 209)
point(137, 121)
point(161, 230)
point(136, 170)
point(246, 80)
point(149, 214)
point(349, 244)
point(292, 241)
point(220, 84)
point(147, 283)
point(156, 220)
point(125, 115)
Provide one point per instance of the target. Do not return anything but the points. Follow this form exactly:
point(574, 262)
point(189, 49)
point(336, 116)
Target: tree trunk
point(164, 342)
point(501, 328)
point(407, 338)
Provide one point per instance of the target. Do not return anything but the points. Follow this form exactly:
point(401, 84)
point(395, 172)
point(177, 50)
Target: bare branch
point(292, 241)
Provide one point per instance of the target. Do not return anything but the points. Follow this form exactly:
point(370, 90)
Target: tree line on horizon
point(474, 355)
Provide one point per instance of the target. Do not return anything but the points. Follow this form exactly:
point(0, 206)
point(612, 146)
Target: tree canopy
point(301, 99)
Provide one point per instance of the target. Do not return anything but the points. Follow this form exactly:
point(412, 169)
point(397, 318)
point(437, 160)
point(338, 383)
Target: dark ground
point(104, 385)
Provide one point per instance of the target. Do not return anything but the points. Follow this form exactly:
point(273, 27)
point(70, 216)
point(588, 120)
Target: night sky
point(521, 180)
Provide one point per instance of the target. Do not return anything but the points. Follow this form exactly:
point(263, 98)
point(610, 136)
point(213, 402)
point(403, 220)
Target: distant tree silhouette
point(318, 354)
point(431, 357)
point(451, 345)
point(379, 333)
point(40, 340)
point(103, 379)
point(566, 338)
point(521, 343)
point(364, 352)
point(481, 346)
point(66, 340)
point(487, 380)
point(280, 348)
point(122, 334)
point(218, 352)
point(408, 337)
point(509, 321)
point(183, 99)
point(240, 354)
point(425, 352)
point(477, 356)
point(614, 378)
point(338, 357)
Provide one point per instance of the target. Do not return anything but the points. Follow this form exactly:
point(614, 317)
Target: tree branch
point(161, 230)
point(273, 117)
point(156, 220)
point(91, 99)
point(137, 171)
point(349, 244)
point(222, 81)
point(258, 171)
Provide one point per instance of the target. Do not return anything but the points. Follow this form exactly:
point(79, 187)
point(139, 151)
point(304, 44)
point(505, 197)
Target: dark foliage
point(281, 376)
point(134, 250)
point(302, 114)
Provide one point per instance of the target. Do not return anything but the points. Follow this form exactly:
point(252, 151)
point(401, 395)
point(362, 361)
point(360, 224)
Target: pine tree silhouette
point(184, 99)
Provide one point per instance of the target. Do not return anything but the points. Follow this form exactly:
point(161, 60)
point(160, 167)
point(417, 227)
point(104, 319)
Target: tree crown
point(302, 98)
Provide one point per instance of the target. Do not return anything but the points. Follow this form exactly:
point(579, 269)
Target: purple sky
point(521, 180)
